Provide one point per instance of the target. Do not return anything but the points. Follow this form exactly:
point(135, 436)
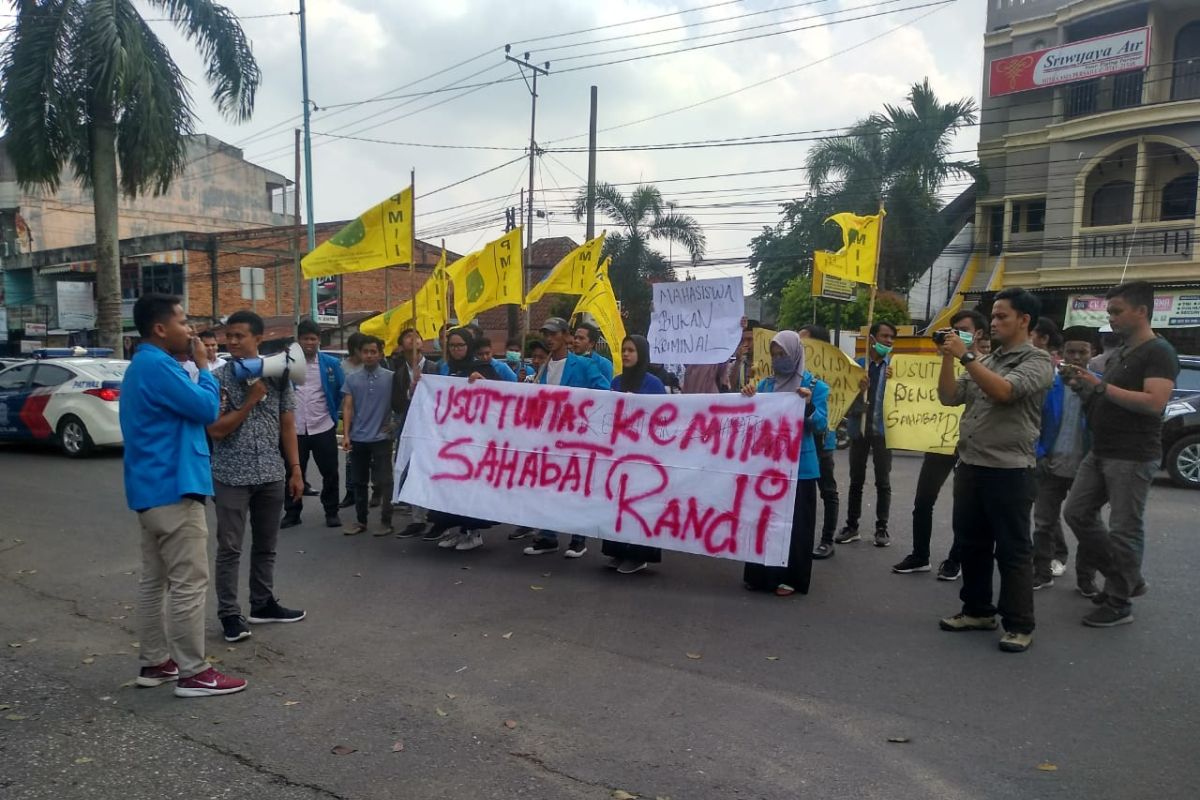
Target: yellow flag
point(601, 303)
point(488, 278)
point(379, 238)
point(573, 274)
point(427, 314)
point(857, 259)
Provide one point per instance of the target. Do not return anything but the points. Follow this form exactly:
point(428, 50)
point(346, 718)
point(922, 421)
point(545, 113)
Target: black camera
point(939, 337)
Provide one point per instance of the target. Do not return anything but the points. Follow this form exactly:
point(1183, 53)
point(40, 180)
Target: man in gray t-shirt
point(255, 459)
point(367, 434)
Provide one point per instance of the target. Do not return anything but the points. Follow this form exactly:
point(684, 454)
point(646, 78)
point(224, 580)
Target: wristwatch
point(1101, 388)
point(967, 358)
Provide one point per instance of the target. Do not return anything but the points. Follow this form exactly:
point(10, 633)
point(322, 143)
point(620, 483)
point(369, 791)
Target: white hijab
point(793, 347)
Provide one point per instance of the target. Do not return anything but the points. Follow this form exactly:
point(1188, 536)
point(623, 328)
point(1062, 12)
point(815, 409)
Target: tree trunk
point(108, 255)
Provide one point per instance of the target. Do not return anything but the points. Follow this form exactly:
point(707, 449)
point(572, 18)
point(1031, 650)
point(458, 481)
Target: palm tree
point(899, 158)
point(87, 82)
point(643, 218)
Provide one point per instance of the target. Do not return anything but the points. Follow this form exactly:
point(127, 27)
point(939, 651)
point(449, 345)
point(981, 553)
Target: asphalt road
point(672, 683)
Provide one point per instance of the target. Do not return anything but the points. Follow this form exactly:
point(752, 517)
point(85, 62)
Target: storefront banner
point(1172, 309)
point(1067, 63)
point(705, 474)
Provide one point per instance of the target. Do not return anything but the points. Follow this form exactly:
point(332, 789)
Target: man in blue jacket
point(318, 403)
point(1060, 451)
point(564, 368)
point(584, 342)
point(168, 479)
point(864, 423)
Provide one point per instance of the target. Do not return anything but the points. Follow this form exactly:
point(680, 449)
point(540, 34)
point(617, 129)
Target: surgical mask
point(783, 365)
point(882, 349)
point(512, 357)
point(967, 337)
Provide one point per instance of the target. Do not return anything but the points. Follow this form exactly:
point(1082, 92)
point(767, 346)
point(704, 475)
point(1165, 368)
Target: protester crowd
point(1045, 429)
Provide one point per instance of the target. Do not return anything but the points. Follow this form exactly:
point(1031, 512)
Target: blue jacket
point(1052, 410)
point(579, 371)
point(606, 366)
point(854, 417)
point(332, 380)
point(503, 370)
point(163, 417)
point(810, 468)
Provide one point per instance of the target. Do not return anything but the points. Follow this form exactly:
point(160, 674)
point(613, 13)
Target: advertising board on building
point(1067, 63)
point(76, 306)
point(1172, 309)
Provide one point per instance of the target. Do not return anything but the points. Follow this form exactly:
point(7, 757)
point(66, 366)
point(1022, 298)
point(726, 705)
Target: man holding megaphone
point(254, 457)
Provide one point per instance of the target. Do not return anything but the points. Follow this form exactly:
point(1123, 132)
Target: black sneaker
point(911, 564)
point(1087, 588)
point(411, 530)
point(289, 521)
point(881, 538)
point(273, 612)
point(347, 501)
point(332, 521)
point(847, 535)
point(577, 548)
point(949, 571)
point(1042, 583)
point(1101, 597)
point(541, 546)
point(310, 492)
point(823, 549)
point(235, 628)
point(519, 533)
point(1108, 617)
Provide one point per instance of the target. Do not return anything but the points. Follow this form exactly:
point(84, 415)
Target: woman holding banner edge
point(635, 378)
point(787, 361)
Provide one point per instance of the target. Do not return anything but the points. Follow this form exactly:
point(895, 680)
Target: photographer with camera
point(971, 327)
point(993, 483)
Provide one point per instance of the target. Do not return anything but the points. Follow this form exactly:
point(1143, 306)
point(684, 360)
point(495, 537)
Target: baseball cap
point(555, 325)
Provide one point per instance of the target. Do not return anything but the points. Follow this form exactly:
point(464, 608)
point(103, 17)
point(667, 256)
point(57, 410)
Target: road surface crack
point(536, 761)
point(276, 777)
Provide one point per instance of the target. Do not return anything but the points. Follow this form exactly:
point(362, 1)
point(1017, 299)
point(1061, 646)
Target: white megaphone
point(281, 365)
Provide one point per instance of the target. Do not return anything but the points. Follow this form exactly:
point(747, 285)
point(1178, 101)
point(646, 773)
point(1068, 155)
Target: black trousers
point(991, 524)
point(861, 447)
point(323, 448)
point(935, 468)
point(798, 572)
point(372, 464)
point(827, 485)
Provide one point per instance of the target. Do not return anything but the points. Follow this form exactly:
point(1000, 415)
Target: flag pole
point(412, 260)
point(875, 275)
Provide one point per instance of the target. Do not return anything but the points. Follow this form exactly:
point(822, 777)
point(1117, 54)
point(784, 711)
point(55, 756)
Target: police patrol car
point(67, 396)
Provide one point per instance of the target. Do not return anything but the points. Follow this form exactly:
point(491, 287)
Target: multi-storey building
point(1090, 136)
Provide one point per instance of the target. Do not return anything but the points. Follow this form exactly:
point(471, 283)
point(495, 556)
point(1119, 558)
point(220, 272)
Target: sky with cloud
point(388, 76)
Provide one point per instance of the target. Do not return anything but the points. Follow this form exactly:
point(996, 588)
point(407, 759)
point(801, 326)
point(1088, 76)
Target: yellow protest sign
point(488, 278)
point(379, 238)
point(913, 417)
point(762, 354)
point(838, 370)
point(574, 274)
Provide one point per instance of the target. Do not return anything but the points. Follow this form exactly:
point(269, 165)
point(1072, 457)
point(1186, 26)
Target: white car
point(72, 402)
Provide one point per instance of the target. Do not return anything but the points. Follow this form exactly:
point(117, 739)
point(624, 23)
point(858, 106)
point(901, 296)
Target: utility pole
point(591, 182)
point(299, 278)
point(308, 181)
point(524, 64)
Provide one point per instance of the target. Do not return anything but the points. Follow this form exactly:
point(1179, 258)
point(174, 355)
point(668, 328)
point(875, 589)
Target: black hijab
point(462, 368)
point(633, 377)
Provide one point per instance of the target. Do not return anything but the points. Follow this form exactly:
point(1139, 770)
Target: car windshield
point(1189, 379)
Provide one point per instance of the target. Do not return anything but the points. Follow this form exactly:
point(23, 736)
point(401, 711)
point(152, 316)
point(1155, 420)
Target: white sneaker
point(469, 541)
point(451, 540)
point(1058, 568)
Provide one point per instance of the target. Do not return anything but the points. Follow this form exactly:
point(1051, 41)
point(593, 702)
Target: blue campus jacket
point(503, 371)
point(163, 416)
point(606, 366)
point(581, 372)
point(809, 468)
point(1052, 410)
point(332, 379)
point(854, 417)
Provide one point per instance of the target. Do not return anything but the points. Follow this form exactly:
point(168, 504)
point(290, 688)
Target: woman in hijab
point(461, 362)
point(635, 378)
point(787, 361)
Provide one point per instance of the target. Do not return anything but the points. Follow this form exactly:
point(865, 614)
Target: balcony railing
point(1103, 94)
point(1152, 241)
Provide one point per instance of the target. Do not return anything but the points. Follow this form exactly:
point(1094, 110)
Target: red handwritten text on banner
point(707, 474)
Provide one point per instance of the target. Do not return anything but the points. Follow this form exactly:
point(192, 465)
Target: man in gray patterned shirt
point(253, 435)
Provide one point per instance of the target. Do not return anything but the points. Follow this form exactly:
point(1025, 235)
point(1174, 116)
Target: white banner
point(76, 306)
point(707, 474)
point(696, 322)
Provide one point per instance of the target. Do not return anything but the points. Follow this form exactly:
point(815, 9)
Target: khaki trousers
point(174, 567)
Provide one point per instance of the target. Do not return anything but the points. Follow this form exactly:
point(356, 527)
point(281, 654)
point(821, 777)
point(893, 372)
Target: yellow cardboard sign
point(838, 370)
point(762, 354)
point(913, 417)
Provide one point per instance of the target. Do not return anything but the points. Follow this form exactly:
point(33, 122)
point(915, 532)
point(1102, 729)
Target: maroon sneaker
point(156, 676)
point(207, 683)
